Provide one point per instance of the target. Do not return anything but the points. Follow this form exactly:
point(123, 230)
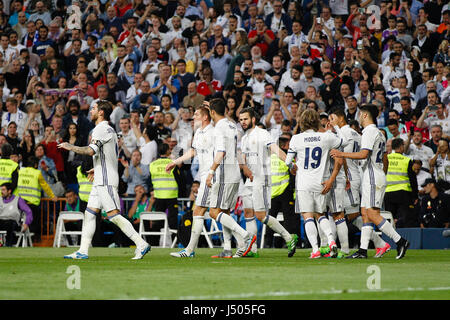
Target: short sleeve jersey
point(312, 152)
point(373, 140)
point(255, 146)
point(225, 140)
point(104, 144)
point(354, 145)
point(203, 143)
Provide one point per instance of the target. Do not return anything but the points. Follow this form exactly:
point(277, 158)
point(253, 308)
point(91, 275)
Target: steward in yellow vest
point(8, 169)
point(401, 188)
point(283, 186)
point(29, 187)
point(85, 186)
point(164, 186)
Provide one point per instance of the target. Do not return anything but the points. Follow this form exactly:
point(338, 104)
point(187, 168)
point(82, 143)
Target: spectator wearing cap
point(435, 206)
point(352, 112)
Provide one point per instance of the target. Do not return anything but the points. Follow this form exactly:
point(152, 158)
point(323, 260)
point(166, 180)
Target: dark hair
point(392, 122)
point(397, 143)
point(162, 149)
point(370, 109)
point(218, 105)
point(33, 161)
point(7, 151)
point(8, 186)
point(339, 113)
point(250, 111)
point(106, 107)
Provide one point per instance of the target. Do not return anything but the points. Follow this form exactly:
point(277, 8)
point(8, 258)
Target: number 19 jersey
point(312, 152)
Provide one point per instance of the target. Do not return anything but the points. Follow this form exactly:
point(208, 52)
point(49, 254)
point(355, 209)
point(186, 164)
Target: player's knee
point(338, 215)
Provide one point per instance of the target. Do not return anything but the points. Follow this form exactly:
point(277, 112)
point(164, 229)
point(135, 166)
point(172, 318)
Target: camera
point(119, 136)
point(433, 108)
point(248, 97)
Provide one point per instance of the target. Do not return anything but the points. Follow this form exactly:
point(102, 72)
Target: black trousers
point(9, 226)
point(35, 226)
point(400, 204)
point(171, 205)
point(283, 203)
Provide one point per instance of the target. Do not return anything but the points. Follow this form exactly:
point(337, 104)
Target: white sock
point(358, 222)
point(325, 225)
point(227, 221)
point(196, 230)
point(226, 238)
point(127, 229)
point(252, 227)
point(342, 232)
point(366, 234)
point(311, 233)
point(332, 226)
point(378, 242)
point(276, 226)
point(322, 236)
point(88, 231)
point(388, 230)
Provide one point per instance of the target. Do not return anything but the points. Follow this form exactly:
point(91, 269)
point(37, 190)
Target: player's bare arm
point(80, 150)
point(274, 148)
point(360, 155)
point(188, 155)
point(217, 160)
point(328, 184)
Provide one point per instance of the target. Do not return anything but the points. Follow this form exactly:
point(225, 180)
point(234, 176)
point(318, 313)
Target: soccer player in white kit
point(203, 147)
point(373, 150)
point(256, 146)
point(223, 179)
point(352, 195)
point(312, 182)
point(104, 150)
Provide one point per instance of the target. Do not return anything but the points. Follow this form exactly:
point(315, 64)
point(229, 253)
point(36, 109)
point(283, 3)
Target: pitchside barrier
point(430, 238)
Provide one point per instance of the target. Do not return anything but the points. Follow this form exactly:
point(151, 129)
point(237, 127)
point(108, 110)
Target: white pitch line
point(299, 293)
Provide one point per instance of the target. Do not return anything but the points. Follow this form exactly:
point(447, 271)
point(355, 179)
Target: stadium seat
point(154, 216)
point(60, 227)
point(280, 218)
point(25, 238)
point(213, 230)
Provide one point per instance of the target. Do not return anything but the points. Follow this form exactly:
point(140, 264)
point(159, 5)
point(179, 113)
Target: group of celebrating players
point(333, 166)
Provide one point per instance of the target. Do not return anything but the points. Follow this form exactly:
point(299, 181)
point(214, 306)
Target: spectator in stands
point(193, 98)
point(435, 208)
point(135, 173)
point(436, 135)
point(417, 150)
point(129, 139)
point(440, 163)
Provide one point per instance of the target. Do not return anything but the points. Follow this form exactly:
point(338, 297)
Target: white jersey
point(203, 143)
point(312, 152)
point(104, 144)
point(422, 153)
point(374, 141)
point(225, 140)
point(255, 146)
point(353, 145)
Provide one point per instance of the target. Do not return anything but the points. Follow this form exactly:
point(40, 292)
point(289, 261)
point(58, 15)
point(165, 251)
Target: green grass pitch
point(41, 273)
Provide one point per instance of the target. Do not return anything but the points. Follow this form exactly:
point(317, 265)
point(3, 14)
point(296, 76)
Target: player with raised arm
point(104, 196)
point(224, 182)
point(202, 147)
point(352, 196)
point(256, 146)
point(373, 150)
point(311, 149)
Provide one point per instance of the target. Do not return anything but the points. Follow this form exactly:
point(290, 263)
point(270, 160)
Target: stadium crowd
point(157, 61)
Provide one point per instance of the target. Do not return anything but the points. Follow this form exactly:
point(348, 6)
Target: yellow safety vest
point(280, 175)
point(7, 167)
point(164, 184)
point(85, 186)
point(397, 175)
point(28, 186)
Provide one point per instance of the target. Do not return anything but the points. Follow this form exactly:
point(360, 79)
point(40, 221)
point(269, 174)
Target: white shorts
point(257, 197)
point(202, 199)
point(105, 198)
point(336, 199)
point(307, 201)
point(372, 195)
point(352, 199)
point(223, 195)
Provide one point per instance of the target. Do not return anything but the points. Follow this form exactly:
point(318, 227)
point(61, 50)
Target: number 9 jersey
point(312, 152)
